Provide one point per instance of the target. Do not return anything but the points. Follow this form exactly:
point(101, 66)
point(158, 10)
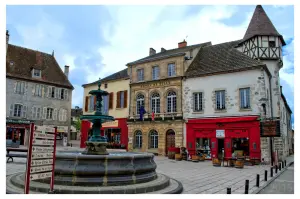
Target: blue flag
point(142, 112)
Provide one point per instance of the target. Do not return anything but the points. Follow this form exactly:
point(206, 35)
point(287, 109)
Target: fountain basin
point(117, 168)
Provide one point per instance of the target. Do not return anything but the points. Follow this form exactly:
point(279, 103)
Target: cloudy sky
point(96, 41)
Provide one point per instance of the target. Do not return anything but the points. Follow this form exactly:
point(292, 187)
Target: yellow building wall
point(112, 86)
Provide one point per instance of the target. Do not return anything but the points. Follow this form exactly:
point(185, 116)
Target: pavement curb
point(257, 191)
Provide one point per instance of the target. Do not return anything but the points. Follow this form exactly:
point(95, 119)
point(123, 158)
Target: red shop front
point(115, 131)
point(234, 134)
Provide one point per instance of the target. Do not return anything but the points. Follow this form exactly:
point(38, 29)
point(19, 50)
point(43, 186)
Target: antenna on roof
point(53, 53)
point(186, 37)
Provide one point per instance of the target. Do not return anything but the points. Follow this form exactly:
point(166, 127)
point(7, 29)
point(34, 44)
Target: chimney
point(66, 71)
point(152, 51)
point(7, 39)
point(162, 50)
point(182, 44)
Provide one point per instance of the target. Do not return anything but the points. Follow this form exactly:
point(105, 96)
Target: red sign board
point(40, 157)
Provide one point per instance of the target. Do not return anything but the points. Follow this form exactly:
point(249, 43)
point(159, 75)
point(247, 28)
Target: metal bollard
point(285, 163)
point(271, 171)
point(280, 166)
point(266, 175)
point(228, 190)
point(247, 187)
point(257, 180)
point(276, 168)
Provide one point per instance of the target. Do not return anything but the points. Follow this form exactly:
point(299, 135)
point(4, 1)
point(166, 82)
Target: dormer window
point(36, 73)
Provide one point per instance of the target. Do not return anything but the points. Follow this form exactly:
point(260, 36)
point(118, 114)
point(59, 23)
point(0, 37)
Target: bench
point(10, 156)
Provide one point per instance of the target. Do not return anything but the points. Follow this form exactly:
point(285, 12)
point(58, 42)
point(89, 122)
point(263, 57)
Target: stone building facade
point(37, 90)
point(156, 84)
point(238, 81)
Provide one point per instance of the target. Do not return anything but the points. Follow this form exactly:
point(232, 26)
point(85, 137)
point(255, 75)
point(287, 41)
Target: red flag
point(152, 116)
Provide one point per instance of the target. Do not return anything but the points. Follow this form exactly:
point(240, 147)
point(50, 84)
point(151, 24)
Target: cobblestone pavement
point(284, 184)
point(196, 178)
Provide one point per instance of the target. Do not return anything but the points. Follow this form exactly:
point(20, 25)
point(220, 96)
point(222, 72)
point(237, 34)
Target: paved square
point(196, 178)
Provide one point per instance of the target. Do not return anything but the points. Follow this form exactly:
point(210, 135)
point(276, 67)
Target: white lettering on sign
point(220, 133)
point(35, 156)
point(41, 162)
point(44, 136)
point(40, 176)
point(42, 149)
point(40, 169)
point(42, 142)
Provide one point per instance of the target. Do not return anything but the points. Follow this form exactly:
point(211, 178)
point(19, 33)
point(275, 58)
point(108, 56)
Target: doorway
point(170, 140)
point(22, 136)
point(220, 147)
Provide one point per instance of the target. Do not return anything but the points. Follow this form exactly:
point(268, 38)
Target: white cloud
point(288, 64)
point(137, 30)
point(69, 60)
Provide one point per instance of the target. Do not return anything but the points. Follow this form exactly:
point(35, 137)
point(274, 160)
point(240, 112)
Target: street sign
point(41, 162)
point(40, 176)
point(40, 149)
point(40, 169)
point(42, 142)
point(40, 156)
point(44, 135)
point(35, 156)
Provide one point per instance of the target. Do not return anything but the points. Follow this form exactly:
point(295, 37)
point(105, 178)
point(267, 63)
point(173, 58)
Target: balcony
point(157, 117)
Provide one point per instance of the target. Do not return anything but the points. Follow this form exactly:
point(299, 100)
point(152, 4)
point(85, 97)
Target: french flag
point(152, 116)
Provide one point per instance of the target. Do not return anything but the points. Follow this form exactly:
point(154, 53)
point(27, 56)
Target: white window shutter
point(32, 112)
point(45, 91)
point(34, 89)
point(11, 110)
point(58, 93)
point(55, 114)
point(24, 111)
point(65, 118)
point(44, 112)
point(25, 88)
point(15, 87)
point(49, 91)
point(66, 94)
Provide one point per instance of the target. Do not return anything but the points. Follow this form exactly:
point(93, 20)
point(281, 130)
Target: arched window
point(138, 140)
point(171, 100)
point(155, 103)
point(153, 139)
point(140, 101)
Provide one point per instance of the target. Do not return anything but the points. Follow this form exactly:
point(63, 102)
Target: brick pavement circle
point(197, 178)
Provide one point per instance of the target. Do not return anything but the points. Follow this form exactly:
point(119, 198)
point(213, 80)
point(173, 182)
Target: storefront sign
point(12, 121)
point(270, 128)
point(220, 133)
point(111, 124)
point(161, 83)
point(40, 156)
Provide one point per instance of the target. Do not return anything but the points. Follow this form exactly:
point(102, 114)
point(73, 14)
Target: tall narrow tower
point(262, 41)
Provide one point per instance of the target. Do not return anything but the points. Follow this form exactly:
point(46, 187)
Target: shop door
point(228, 152)
point(170, 140)
point(214, 147)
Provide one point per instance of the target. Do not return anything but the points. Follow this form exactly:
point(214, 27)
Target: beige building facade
point(156, 85)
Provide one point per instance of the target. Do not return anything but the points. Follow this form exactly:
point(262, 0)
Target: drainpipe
point(271, 101)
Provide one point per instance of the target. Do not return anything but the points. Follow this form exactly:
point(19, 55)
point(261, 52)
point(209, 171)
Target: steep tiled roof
point(260, 24)
point(20, 61)
point(220, 58)
point(118, 75)
point(168, 53)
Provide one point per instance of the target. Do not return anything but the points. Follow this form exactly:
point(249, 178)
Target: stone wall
point(161, 127)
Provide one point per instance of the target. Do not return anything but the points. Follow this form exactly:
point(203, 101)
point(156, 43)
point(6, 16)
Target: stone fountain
point(95, 171)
